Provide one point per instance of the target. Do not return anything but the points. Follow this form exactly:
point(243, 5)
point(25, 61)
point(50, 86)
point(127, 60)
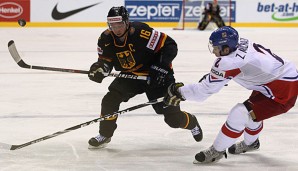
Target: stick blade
point(13, 51)
point(15, 54)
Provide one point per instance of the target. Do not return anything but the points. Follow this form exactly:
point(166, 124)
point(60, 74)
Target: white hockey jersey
point(253, 67)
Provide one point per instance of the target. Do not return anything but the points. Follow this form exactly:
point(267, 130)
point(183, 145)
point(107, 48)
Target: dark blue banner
point(153, 10)
point(171, 11)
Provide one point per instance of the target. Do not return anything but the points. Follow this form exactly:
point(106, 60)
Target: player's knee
point(160, 108)
point(172, 120)
point(111, 102)
point(111, 97)
point(238, 117)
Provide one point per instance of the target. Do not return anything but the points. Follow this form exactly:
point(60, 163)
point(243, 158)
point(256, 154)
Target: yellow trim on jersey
point(187, 119)
point(163, 41)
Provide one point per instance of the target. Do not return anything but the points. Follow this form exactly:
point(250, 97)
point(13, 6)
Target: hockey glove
point(158, 75)
point(98, 71)
point(173, 96)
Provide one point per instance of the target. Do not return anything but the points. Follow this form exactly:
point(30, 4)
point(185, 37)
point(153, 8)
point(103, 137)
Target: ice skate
point(208, 156)
point(241, 147)
point(197, 132)
point(98, 142)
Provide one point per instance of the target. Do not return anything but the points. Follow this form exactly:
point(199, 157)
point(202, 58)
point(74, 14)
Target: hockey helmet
point(118, 14)
point(224, 37)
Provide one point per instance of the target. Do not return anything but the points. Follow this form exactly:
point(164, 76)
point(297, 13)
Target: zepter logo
point(10, 10)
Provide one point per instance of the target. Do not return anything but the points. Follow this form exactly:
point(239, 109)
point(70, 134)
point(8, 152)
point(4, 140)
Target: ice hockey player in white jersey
point(272, 79)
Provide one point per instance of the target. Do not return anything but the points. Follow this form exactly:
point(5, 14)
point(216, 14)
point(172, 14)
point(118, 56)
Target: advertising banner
point(154, 10)
point(12, 10)
point(71, 11)
point(274, 11)
point(193, 10)
point(242, 13)
point(171, 11)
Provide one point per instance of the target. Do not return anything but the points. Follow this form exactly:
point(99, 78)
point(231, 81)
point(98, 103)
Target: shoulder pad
point(107, 32)
point(132, 30)
point(139, 25)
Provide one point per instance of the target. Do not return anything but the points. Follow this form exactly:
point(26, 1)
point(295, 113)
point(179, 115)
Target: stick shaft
point(15, 147)
point(16, 56)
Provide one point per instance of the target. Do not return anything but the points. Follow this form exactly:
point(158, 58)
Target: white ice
point(36, 103)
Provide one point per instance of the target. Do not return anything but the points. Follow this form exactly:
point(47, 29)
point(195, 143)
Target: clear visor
point(117, 26)
point(116, 23)
point(212, 48)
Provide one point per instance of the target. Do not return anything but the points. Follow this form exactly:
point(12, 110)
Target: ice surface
point(37, 103)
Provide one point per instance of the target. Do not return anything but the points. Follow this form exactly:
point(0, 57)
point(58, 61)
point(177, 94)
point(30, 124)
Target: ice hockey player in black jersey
point(211, 13)
point(136, 48)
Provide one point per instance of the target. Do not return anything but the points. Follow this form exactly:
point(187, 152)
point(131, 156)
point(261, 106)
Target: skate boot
point(98, 142)
point(241, 147)
point(208, 156)
point(197, 132)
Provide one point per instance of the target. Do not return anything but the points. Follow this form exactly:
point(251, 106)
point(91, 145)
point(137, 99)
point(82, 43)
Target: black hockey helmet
point(118, 14)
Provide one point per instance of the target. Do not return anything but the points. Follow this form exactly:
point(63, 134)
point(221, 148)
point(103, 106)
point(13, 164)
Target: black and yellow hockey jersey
point(142, 47)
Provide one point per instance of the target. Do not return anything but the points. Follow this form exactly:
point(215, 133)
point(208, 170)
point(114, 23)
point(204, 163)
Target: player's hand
point(173, 96)
point(97, 71)
point(158, 75)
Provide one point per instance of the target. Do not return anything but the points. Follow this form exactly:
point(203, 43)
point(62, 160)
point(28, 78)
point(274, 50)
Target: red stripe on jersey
point(213, 78)
point(232, 134)
point(282, 90)
point(254, 132)
point(161, 42)
point(232, 73)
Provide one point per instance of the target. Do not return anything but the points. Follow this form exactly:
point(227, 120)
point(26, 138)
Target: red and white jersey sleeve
point(253, 67)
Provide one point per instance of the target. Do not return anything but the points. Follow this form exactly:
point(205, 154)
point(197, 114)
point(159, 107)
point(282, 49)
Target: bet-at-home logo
point(281, 12)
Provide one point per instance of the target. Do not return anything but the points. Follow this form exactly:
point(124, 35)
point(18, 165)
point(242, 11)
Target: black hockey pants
point(121, 90)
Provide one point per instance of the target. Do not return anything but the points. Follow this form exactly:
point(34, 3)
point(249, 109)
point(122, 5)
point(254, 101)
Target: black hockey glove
point(97, 71)
point(173, 96)
point(158, 75)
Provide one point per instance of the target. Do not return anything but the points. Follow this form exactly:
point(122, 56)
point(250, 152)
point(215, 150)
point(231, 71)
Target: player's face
point(214, 49)
point(118, 28)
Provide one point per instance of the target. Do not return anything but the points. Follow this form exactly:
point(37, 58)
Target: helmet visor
point(117, 26)
point(213, 49)
point(116, 23)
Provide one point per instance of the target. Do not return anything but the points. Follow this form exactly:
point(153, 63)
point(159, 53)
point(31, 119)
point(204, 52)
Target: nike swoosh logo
point(61, 15)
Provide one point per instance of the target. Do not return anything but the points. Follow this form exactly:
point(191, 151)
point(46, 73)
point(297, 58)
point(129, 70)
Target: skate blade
point(98, 147)
point(255, 150)
point(197, 162)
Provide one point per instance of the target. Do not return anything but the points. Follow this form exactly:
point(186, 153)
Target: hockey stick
point(15, 55)
point(15, 147)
